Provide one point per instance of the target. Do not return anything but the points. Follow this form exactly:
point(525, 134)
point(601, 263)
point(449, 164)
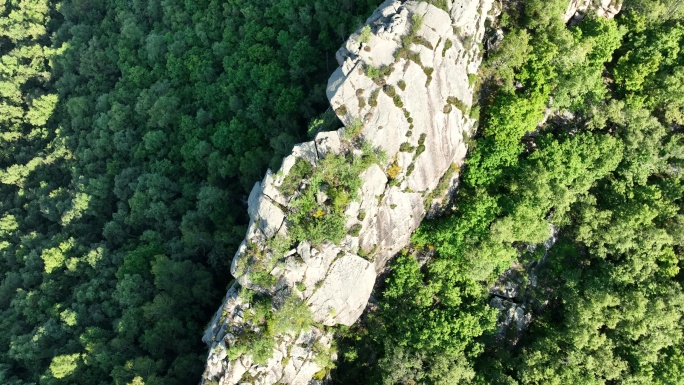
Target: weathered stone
point(328, 142)
point(399, 215)
point(269, 188)
point(344, 292)
point(513, 318)
point(264, 212)
point(236, 370)
point(306, 150)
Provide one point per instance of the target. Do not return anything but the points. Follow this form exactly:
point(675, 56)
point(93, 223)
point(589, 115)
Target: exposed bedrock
point(405, 79)
point(604, 8)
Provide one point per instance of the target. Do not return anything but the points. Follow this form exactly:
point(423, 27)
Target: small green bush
point(341, 110)
point(441, 4)
point(263, 279)
point(416, 24)
point(475, 112)
point(355, 230)
point(393, 170)
point(422, 138)
point(410, 169)
point(421, 145)
point(397, 101)
point(428, 72)
point(293, 315)
point(378, 72)
point(262, 350)
point(365, 34)
point(447, 45)
point(234, 352)
point(415, 57)
point(373, 100)
point(301, 170)
point(456, 102)
point(422, 41)
point(402, 85)
point(405, 147)
point(354, 129)
point(472, 79)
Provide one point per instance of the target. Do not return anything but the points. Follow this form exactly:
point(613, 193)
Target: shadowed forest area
point(132, 132)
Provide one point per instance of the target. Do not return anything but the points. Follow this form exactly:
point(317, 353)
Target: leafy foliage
point(603, 171)
point(131, 133)
point(336, 176)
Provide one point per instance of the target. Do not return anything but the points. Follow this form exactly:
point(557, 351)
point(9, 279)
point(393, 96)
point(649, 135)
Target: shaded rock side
point(407, 82)
point(417, 111)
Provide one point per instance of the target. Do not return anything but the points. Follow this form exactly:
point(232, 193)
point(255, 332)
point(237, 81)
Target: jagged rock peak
point(403, 88)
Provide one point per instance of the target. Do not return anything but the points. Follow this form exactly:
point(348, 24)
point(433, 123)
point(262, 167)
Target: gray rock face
point(415, 108)
point(345, 291)
point(420, 116)
point(263, 211)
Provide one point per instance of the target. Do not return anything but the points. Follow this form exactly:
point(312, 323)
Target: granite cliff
point(403, 91)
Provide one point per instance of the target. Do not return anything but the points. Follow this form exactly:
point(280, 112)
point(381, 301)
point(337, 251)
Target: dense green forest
point(604, 175)
point(131, 133)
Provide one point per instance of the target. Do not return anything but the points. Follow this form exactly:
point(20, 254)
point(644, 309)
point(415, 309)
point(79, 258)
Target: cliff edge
point(343, 204)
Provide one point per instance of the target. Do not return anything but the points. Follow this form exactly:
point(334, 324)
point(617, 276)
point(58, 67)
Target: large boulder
point(344, 292)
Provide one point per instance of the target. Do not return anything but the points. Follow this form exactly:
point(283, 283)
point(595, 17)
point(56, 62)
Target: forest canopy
point(131, 134)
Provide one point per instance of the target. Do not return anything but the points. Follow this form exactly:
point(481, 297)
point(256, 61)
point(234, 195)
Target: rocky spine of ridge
point(405, 82)
point(603, 8)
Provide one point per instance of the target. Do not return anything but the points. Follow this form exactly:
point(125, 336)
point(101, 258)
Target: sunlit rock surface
point(418, 113)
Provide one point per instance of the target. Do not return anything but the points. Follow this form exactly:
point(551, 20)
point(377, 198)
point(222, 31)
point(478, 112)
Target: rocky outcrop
point(403, 87)
point(418, 111)
point(604, 8)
